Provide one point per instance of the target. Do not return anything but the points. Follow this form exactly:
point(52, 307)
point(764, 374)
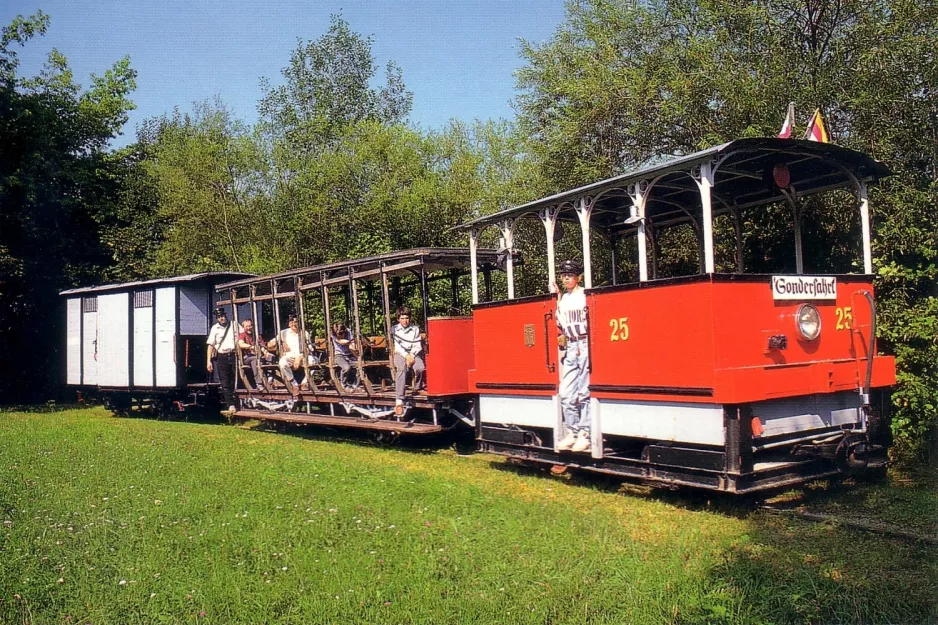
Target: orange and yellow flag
point(816, 130)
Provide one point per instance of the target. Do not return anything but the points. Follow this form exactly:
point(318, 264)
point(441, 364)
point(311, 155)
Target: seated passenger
point(246, 341)
point(345, 358)
point(291, 358)
point(408, 354)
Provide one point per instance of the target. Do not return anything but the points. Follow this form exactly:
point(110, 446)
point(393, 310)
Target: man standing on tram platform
point(220, 356)
point(574, 374)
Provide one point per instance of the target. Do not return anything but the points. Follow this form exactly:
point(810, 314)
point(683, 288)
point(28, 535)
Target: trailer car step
point(401, 427)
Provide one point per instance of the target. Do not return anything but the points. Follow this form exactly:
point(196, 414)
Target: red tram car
point(721, 380)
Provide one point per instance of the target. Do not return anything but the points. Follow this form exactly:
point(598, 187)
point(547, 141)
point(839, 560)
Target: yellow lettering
point(620, 329)
point(844, 317)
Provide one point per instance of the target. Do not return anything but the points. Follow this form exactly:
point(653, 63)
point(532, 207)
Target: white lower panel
point(800, 414)
point(73, 341)
point(539, 412)
point(663, 421)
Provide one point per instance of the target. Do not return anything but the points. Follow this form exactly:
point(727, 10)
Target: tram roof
point(744, 167)
point(192, 277)
point(431, 258)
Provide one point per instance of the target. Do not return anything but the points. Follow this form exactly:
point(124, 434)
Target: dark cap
point(571, 267)
point(220, 311)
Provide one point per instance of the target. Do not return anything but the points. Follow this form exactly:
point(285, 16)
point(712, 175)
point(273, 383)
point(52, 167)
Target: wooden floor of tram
point(328, 394)
point(360, 423)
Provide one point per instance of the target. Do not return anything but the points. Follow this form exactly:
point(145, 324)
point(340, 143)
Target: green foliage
point(621, 83)
point(132, 227)
point(327, 88)
point(222, 200)
point(330, 172)
point(203, 167)
point(54, 178)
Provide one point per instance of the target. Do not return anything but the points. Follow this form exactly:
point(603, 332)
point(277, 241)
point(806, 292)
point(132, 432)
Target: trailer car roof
point(192, 277)
point(431, 258)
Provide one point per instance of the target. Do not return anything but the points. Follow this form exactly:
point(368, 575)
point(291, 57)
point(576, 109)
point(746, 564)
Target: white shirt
point(222, 338)
point(406, 340)
point(571, 314)
point(290, 339)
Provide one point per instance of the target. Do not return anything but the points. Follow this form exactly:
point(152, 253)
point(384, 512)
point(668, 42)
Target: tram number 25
point(844, 317)
point(620, 329)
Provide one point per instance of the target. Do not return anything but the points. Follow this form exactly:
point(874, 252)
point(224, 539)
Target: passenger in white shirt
point(408, 354)
point(291, 356)
point(220, 356)
point(572, 322)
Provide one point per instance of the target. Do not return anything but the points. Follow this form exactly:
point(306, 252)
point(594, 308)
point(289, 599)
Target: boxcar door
point(165, 325)
point(73, 340)
point(143, 338)
point(89, 341)
point(114, 340)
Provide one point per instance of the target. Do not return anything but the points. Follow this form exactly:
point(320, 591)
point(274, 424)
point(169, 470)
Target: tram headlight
point(808, 321)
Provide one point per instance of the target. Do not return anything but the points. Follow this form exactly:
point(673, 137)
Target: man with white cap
point(575, 376)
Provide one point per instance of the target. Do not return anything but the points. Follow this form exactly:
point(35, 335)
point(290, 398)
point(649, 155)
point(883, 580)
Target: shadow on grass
point(788, 570)
point(49, 406)
point(684, 498)
point(783, 569)
point(460, 439)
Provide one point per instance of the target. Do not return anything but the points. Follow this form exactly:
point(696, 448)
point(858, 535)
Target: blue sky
point(457, 58)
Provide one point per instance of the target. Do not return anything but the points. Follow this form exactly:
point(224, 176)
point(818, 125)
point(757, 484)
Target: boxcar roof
point(192, 277)
point(432, 258)
point(740, 181)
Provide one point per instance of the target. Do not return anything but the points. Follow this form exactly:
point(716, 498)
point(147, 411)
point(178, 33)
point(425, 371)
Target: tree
point(327, 87)
point(621, 83)
point(53, 175)
point(206, 169)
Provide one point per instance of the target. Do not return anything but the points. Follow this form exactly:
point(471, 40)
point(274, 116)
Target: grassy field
point(110, 520)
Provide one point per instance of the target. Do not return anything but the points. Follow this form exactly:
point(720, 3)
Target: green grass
point(108, 520)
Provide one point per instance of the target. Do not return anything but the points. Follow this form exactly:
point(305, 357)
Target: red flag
point(789, 125)
point(816, 130)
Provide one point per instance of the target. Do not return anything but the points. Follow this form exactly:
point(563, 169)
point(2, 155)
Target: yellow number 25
point(620, 329)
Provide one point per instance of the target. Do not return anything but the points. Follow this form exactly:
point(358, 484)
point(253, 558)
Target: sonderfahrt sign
point(804, 287)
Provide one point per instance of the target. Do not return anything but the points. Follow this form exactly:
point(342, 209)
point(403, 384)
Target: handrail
point(547, 317)
point(871, 347)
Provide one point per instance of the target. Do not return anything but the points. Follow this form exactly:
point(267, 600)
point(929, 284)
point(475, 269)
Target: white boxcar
point(141, 341)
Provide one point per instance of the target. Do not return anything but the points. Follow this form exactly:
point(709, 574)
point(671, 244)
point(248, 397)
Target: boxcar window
point(143, 299)
point(193, 311)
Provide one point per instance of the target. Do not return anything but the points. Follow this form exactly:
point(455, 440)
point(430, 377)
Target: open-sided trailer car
point(364, 294)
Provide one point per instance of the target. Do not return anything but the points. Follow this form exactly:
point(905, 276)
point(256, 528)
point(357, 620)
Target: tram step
point(401, 427)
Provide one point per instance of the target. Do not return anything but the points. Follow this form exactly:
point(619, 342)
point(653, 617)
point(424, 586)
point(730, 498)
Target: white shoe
point(567, 442)
point(583, 442)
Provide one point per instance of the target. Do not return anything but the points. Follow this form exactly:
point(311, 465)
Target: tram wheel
point(385, 437)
